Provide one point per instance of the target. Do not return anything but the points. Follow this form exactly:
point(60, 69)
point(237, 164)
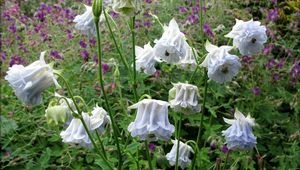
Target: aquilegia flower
point(126, 7)
point(188, 62)
point(75, 133)
point(145, 59)
point(248, 36)
point(56, 113)
point(221, 65)
point(184, 154)
point(172, 46)
point(184, 98)
point(151, 122)
point(29, 82)
point(85, 21)
point(239, 135)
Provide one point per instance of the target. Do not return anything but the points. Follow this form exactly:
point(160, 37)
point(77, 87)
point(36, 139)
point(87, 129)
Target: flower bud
point(56, 113)
point(97, 9)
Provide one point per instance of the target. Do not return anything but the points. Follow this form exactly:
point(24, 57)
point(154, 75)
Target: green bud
point(97, 9)
point(56, 113)
point(172, 93)
point(116, 72)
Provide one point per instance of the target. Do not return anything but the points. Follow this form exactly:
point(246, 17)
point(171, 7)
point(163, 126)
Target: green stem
point(82, 120)
point(178, 141)
point(133, 58)
point(123, 59)
point(148, 155)
point(227, 155)
point(104, 93)
point(201, 120)
point(101, 144)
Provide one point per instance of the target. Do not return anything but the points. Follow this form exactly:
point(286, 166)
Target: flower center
point(224, 70)
point(167, 53)
point(253, 40)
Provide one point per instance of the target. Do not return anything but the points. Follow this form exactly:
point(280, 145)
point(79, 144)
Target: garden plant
point(150, 84)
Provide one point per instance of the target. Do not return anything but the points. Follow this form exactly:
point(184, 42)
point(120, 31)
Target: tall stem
point(101, 145)
point(82, 120)
point(133, 58)
point(104, 93)
point(201, 120)
point(227, 155)
point(123, 59)
point(178, 141)
point(148, 155)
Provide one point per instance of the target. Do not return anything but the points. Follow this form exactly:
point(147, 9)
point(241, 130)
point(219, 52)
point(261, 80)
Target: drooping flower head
point(75, 133)
point(85, 21)
point(188, 62)
point(248, 36)
point(151, 122)
point(126, 7)
point(145, 59)
point(239, 135)
point(29, 82)
point(221, 65)
point(172, 46)
point(56, 113)
point(184, 154)
point(184, 98)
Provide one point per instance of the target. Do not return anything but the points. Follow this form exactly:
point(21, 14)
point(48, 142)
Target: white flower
point(248, 36)
point(29, 82)
point(172, 46)
point(184, 154)
point(126, 7)
point(75, 133)
point(221, 65)
point(151, 122)
point(145, 59)
point(85, 21)
point(188, 62)
point(184, 98)
point(239, 135)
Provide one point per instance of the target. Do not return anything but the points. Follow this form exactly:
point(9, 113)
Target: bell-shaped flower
point(56, 114)
point(248, 36)
point(85, 22)
point(151, 122)
point(183, 154)
point(221, 65)
point(172, 46)
point(29, 82)
point(239, 135)
point(127, 7)
point(188, 62)
point(184, 98)
point(145, 59)
point(76, 133)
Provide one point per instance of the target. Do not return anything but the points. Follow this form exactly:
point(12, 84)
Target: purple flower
point(280, 63)
point(192, 19)
point(55, 55)
point(195, 10)
point(289, 52)
point(225, 149)
point(82, 44)
point(138, 23)
point(69, 34)
point(92, 41)
point(3, 56)
point(147, 24)
point(295, 71)
point(151, 147)
point(276, 77)
point(268, 49)
point(271, 63)
point(148, 1)
point(183, 9)
point(256, 91)
point(274, 2)
point(213, 145)
point(246, 59)
point(16, 60)
point(294, 60)
point(85, 55)
point(12, 28)
point(146, 13)
point(157, 74)
point(105, 68)
point(207, 30)
point(273, 14)
point(114, 14)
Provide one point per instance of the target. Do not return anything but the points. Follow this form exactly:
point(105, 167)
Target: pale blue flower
point(239, 135)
